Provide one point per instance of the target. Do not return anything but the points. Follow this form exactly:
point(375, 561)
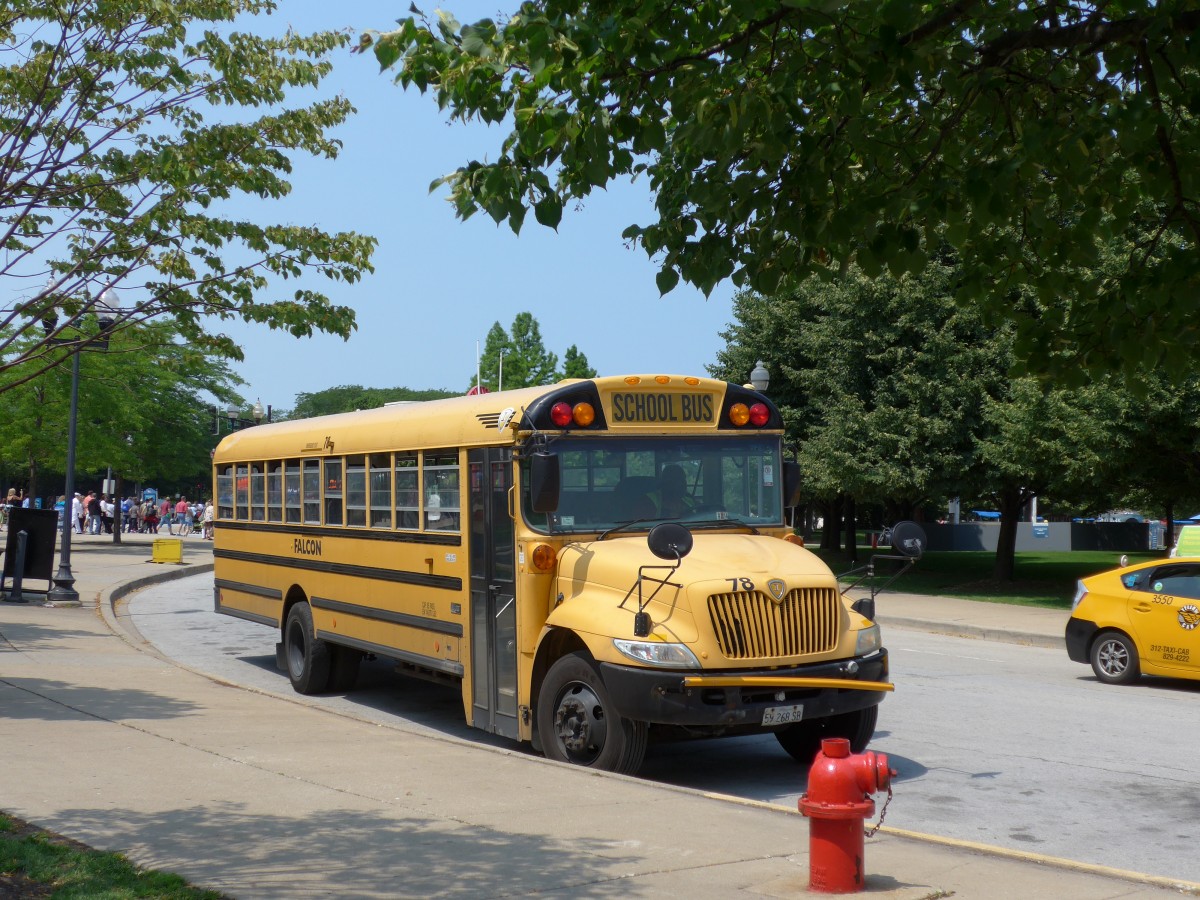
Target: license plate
point(782, 715)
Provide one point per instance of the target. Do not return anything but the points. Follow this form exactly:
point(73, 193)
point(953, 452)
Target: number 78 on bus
point(593, 565)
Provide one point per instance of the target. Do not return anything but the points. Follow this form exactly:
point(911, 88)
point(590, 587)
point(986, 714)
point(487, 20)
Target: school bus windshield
point(607, 482)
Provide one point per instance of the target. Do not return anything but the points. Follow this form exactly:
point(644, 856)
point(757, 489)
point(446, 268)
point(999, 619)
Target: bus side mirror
point(791, 485)
point(543, 482)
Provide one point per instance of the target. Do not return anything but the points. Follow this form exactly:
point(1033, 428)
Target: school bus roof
point(428, 424)
point(424, 425)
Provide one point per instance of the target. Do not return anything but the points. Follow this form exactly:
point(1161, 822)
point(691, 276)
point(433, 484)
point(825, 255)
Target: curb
point(982, 632)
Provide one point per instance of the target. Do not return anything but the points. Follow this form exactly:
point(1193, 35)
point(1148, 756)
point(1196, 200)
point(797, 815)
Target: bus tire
point(576, 723)
point(343, 668)
point(307, 655)
point(802, 741)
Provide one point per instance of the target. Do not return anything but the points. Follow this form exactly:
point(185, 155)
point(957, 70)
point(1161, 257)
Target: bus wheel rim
point(579, 723)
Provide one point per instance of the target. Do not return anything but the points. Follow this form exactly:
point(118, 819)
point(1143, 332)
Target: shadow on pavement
point(54, 701)
point(420, 855)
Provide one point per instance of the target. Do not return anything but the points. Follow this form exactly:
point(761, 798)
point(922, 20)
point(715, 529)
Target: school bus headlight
point(869, 640)
point(739, 414)
point(653, 653)
point(543, 557)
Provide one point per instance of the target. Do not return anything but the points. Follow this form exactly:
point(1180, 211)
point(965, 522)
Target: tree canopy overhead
point(782, 138)
point(110, 176)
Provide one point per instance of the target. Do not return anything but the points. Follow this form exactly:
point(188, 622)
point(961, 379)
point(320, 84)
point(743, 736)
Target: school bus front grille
point(751, 625)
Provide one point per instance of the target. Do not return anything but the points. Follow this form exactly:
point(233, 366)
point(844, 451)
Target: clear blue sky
point(439, 282)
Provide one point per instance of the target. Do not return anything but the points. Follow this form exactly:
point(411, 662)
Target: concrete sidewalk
point(107, 742)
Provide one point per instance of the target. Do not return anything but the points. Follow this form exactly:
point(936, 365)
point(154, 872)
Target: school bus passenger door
point(493, 592)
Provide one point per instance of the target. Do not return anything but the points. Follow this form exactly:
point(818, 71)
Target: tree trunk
point(1169, 536)
point(31, 490)
point(117, 512)
point(831, 534)
point(1010, 502)
point(851, 531)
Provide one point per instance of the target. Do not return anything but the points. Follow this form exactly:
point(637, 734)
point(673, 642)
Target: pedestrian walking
point(183, 516)
point(92, 505)
point(11, 502)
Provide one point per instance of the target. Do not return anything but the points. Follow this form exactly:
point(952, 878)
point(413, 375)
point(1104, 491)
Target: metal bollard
point(14, 595)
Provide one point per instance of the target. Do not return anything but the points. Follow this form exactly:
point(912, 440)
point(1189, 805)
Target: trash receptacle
point(167, 550)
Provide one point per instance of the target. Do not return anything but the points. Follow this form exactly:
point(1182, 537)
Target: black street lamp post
point(64, 581)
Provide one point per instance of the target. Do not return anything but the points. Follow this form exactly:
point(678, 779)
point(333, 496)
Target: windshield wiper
point(625, 525)
point(720, 523)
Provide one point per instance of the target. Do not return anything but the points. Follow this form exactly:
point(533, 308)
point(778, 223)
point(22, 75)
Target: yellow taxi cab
point(1139, 619)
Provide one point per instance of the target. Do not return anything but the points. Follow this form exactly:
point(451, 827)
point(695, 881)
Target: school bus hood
point(598, 579)
point(714, 557)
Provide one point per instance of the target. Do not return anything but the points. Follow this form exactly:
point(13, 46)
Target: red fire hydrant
point(837, 802)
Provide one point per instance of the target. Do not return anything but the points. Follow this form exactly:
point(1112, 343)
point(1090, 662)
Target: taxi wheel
point(577, 724)
point(802, 741)
point(307, 655)
point(1114, 658)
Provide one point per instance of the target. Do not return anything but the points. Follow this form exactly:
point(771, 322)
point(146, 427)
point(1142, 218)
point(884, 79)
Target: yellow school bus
point(592, 563)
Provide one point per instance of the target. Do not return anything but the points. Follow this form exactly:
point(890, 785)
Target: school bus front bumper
point(740, 699)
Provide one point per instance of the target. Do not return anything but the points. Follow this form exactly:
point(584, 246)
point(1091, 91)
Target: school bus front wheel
point(578, 723)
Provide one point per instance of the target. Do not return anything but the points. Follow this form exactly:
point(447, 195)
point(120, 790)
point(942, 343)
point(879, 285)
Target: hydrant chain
point(871, 832)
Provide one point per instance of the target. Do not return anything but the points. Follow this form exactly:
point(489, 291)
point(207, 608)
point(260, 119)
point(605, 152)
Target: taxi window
point(1135, 581)
point(1179, 580)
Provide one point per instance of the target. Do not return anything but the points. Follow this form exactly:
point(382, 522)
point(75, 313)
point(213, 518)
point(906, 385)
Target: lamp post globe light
point(105, 308)
point(760, 377)
point(257, 413)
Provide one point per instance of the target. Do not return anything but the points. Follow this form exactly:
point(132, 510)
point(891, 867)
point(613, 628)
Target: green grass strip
point(1039, 579)
point(37, 864)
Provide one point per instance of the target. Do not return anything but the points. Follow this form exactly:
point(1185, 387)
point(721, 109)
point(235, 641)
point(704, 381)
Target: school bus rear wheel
point(307, 655)
point(577, 724)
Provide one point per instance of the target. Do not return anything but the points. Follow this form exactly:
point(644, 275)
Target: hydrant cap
point(835, 747)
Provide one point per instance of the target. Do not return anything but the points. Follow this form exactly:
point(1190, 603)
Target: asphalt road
point(997, 743)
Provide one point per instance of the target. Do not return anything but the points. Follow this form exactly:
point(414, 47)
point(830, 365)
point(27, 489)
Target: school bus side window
point(275, 491)
point(291, 492)
point(333, 492)
point(312, 492)
point(356, 492)
point(225, 493)
point(441, 490)
point(258, 494)
point(242, 493)
point(381, 490)
point(408, 492)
